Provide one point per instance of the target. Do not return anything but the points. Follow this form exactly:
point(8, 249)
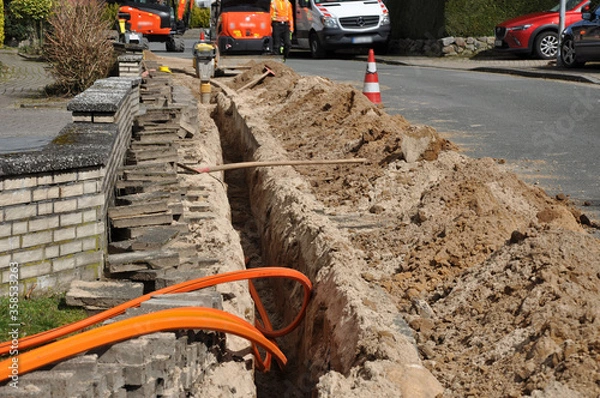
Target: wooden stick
point(245, 165)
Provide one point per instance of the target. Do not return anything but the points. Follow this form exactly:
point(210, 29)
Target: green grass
point(37, 314)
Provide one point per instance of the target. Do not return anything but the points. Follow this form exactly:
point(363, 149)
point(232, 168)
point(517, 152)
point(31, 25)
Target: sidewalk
point(28, 121)
point(498, 64)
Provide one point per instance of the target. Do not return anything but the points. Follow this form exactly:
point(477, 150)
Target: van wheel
point(546, 45)
point(316, 48)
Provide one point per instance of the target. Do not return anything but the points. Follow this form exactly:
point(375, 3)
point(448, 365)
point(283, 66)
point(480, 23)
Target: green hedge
point(1, 23)
point(478, 17)
point(200, 18)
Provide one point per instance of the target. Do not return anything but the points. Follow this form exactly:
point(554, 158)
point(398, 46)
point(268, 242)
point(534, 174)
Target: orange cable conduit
point(172, 319)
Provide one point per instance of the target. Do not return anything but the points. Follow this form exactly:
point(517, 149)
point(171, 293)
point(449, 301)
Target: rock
point(446, 41)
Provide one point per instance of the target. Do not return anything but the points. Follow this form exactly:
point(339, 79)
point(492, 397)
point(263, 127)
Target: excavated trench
point(282, 224)
point(275, 382)
point(433, 273)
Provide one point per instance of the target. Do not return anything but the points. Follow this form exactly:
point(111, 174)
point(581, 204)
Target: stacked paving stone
point(156, 90)
point(148, 203)
point(130, 64)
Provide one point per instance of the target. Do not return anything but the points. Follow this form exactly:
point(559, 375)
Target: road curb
point(525, 72)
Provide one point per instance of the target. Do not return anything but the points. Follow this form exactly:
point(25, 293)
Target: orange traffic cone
point(371, 87)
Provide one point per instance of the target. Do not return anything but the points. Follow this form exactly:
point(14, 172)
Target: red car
point(536, 34)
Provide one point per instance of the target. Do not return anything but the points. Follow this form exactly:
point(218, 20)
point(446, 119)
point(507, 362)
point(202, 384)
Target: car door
point(587, 37)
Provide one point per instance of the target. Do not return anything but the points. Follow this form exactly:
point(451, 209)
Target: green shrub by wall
point(1, 23)
point(478, 17)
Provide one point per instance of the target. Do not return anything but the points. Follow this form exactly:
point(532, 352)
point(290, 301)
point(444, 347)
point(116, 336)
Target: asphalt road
point(546, 130)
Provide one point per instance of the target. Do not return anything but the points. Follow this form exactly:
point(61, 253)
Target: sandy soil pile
point(499, 282)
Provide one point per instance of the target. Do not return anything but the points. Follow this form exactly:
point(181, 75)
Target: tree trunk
point(417, 19)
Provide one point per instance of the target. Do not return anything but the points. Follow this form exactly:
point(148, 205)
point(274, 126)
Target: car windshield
point(569, 5)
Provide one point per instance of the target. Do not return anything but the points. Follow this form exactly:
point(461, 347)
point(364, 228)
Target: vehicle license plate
point(362, 39)
point(498, 43)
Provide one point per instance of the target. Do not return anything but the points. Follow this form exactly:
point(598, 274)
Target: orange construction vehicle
point(243, 26)
point(162, 21)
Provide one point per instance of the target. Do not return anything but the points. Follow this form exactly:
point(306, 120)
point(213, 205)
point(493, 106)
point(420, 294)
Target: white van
point(326, 25)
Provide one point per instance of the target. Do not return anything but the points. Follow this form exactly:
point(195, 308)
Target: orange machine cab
point(244, 27)
point(162, 21)
point(148, 20)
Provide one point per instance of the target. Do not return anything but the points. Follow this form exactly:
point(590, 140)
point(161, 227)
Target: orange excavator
point(243, 26)
point(162, 21)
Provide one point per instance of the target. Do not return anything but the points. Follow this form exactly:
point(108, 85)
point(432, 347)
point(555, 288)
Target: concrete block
point(32, 271)
point(155, 259)
point(70, 248)
point(63, 234)
point(5, 261)
point(24, 390)
point(46, 179)
point(71, 219)
point(162, 343)
point(90, 187)
point(147, 389)
point(65, 205)
point(45, 193)
point(62, 178)
point(84, 363)
point(37, 238)
point(85, 202)
point(91, 243)
point(19, 183)
point(58, 384)
point(63, 263)
point(102, 294)
point(90, 215)
point(75, 189)
point(90, 272)
point(92, 174)
point(82, 259)
point(113, 374)
point(159, 366)
point(20, 212)
point(135, 375)
point(43, 223)
point(45, 208)
point(19, 227)
point(28, 256)
point(51, 252)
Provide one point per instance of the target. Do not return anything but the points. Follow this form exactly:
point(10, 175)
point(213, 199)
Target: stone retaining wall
point(53, 202)
point(447, 46)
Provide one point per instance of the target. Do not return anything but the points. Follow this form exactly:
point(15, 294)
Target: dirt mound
point(498, 281)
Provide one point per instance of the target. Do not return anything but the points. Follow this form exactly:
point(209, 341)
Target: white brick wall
point(53, 224)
